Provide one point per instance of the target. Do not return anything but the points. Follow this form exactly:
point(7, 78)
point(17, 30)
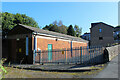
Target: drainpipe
point(34, 51)
point(27, 39)
point(27, 42)
point(35, 48)
point(71, 48)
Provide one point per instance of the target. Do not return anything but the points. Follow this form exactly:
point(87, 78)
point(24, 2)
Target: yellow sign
point(20, 50)
point(62, 52)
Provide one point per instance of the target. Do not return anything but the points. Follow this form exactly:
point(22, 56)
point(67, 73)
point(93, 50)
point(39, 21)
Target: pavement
point(111, 70)
point(58, 68)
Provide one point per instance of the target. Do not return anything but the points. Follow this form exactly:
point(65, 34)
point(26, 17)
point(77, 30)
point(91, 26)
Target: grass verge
point(22, 73)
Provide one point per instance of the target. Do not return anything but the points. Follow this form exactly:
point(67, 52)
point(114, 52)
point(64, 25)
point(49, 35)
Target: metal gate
point(79, 55)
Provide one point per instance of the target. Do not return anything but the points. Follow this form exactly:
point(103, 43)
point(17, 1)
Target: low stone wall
point(113, 51)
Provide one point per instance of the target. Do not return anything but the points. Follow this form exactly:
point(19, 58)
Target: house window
point(100, 38)
point(100, 30)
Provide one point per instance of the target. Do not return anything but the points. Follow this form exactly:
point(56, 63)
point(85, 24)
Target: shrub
point(2, 69)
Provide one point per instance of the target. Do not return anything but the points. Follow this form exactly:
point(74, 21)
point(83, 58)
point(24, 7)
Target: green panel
point(49, 51)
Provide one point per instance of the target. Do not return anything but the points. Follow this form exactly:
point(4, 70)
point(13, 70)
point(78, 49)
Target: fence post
point(81, 53)
point(34, 57)
point(55, 56)
point(95, 54)
point(71, 49)
point(75, 57)
point(87, 59)
point(40, 56)
point(98, 53)
point(90, 54)
point(65, 55)
point(102, 54)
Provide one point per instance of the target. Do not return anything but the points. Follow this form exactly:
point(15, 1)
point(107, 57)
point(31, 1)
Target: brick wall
point(42, 43)
point(78, 44)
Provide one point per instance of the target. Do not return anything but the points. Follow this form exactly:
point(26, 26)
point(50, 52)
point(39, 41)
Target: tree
point(78, 31)
point(117, 32)
point(60, 23)
point(10, 20)
point(47, 27)
point(54, 28)
point(117, 28)
point(23, 19)
point(55, 22)
point(71, 31)
point(57, 27)
point(63, 29)
point(0, 21)
point(7, 22)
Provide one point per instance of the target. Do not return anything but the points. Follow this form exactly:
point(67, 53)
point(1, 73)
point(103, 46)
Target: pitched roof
point(86, 33)
point(54, 33)
point(117, 28)
point(94, 24)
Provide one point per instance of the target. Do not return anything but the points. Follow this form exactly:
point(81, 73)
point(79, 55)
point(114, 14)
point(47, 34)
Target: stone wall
point(113, 51)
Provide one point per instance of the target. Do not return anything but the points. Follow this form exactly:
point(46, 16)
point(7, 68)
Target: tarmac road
point(111, 70)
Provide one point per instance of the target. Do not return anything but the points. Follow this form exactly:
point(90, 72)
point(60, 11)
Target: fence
point(79, 55)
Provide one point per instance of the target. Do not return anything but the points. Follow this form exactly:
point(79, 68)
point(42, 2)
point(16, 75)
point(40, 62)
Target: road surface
point(111, 70)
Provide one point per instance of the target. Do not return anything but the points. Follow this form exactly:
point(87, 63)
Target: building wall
point(106, 34)
point(86, 36)
point(17, 44)
point(78, 44)
point(14, 45)
point(42, 44)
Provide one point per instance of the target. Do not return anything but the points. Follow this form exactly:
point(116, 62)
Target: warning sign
point(20, 50)
point(62, 52)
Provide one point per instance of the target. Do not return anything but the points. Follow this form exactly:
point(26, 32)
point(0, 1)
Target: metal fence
point(79, 55)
